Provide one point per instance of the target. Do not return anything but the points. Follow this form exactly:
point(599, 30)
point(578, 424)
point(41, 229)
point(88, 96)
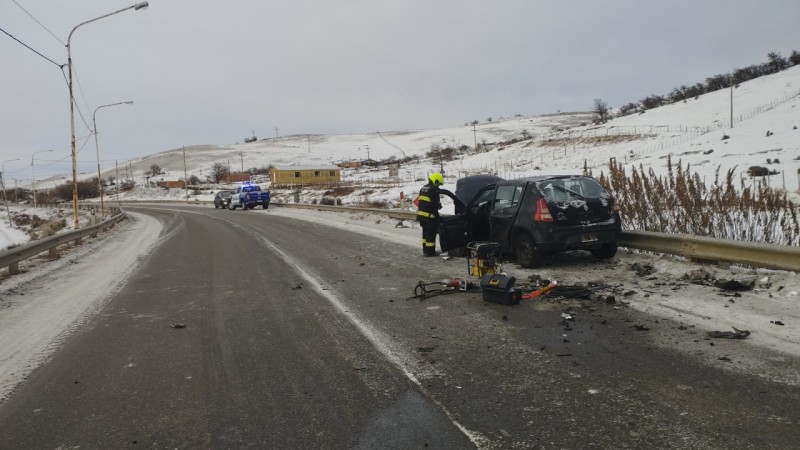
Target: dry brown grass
point(587, 141)
point(681, 203)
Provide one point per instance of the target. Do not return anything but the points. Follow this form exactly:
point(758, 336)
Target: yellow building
point(304, 175)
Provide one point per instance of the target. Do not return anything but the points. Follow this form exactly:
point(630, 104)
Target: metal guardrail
point(11, 258)
point(771, 256)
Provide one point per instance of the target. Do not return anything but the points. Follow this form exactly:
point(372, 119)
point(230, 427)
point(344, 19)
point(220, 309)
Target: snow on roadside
point(27, 221)
point(42, 306)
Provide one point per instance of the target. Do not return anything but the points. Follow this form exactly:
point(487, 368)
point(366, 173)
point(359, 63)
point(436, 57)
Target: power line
point(31, 48)
point(80, 113)
point(83, 95)
point(40, 23)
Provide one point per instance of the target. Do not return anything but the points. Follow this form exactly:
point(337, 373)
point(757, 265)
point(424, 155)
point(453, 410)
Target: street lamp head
point(128, 102)
point(139, 6)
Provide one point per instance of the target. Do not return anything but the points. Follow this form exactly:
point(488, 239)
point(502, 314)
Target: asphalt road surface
point(252, 330)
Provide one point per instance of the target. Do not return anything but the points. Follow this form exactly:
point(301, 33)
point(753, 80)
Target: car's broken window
point(483, 201)
point(507, 196)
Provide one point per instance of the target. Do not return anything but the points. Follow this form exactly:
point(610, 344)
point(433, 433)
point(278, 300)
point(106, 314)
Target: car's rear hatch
point(576, 201)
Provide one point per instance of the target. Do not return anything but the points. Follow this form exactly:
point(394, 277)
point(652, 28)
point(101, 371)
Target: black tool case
point(499, 288)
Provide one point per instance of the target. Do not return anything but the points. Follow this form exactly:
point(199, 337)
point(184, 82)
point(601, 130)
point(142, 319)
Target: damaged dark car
point(534, 217)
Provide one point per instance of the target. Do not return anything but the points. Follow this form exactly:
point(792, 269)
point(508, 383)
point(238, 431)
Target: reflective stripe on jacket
point(429, 202)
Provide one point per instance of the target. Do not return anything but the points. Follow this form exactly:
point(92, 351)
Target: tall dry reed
point(680, 202)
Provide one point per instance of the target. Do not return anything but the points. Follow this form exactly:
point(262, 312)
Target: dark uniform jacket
point(429, 203)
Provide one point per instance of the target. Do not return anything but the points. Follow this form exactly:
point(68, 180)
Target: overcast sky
point(203, 72)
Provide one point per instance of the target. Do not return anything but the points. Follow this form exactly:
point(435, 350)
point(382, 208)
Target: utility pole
point(309, 142)
point(241, 158)
point(367, 147)
point(116, 165)
point(5, 202)
point(276, 131)
point(731, 102)
point(475, 135)
point(185, 177)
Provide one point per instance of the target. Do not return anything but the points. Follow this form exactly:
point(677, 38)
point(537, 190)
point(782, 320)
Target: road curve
point(250, 330)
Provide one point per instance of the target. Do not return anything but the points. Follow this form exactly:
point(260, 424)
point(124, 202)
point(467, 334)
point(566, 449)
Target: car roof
point(538, 178)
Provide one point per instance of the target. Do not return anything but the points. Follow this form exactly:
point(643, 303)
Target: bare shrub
point(680, 202)
point(340, 191)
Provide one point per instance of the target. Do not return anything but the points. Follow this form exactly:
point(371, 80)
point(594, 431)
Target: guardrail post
point(13, 268)
point(53, 253)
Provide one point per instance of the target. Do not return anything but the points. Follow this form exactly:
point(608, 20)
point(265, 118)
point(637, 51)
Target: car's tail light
point(542, 213)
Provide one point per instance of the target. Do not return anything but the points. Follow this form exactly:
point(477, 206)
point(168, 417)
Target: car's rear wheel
point(265, 205)
point(230, 206)
point(528, 255)
point(607, 251)
point(216, 206)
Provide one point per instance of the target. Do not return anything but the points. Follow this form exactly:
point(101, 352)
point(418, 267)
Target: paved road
point(296, 335)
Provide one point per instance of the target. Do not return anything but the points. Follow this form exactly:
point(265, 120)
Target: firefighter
point(428, 213)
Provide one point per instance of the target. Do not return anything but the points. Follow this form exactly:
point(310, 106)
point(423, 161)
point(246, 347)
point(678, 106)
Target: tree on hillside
point(776, 62)
point(155, 169)
point(717, 82)
point(630, 108)
point(794, 58)
point(601, 110)
point(219, 171)
point(653, 101)
point(695, 91)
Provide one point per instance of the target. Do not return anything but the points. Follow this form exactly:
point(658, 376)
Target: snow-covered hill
point(690, 131)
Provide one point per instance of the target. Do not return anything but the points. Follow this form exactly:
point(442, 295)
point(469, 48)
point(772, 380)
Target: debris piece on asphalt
point(699, 276)
point(570, 291)
point(725, 358)
point(735, 285)
point(735, 334)
point(776, 322)
point(641, 328)
point(178, 325)
point(567, 316)
point(642, 270)
point(425, 349)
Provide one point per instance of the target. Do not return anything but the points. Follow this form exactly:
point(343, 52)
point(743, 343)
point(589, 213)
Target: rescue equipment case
point(499, 288)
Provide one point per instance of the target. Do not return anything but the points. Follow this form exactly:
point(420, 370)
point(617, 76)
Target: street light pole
point(33, 175)
point(97, 148)
point(3, 182)
point(137, 7)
